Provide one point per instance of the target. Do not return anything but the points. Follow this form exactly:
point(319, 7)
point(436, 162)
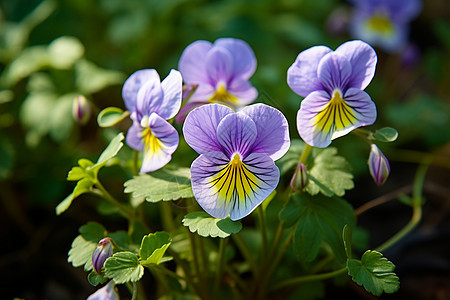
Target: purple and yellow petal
point(200, 127)
point(235, 187)
point(160, 140)
point(272, 130)
point(302, 75)
point(236, 133)
point(134, 83)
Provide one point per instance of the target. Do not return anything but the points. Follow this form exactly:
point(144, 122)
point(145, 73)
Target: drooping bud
point(378, 165)
point(300, 178)
point(101, 254)
point(81, 109)
point(108, 292)
point(188, 90)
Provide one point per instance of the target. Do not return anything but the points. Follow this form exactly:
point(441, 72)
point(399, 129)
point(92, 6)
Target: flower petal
point(172, 88)
point(243, 56)
point(243, 91)
point(363, 60)
point(219, 65)
point(224, 188)
point(272, 128)
point(134, 83)
point(134, 137)
point(321, 119)
point(182, 114)
point(192, 64)
point(236, 133)
point(160, 141)
point(302, 75)
point(149, 99)
point(200, 127)
point(334, 71)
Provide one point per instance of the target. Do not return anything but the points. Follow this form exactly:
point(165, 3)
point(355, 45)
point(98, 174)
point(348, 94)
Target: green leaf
point(374, 272)
point(113, 148)
point(110, 116)
point(162, 185)
point(347, 237)
point(124, 267)
point(321, 219)
point(205, 225)
point(91, 78)
point(95, 279)
point(83, 186)
point(153, 247)
point(331, 171)
point(290, 213)
point(64, 51)
point(64, 205)
point(84, 245)
point(386, 134)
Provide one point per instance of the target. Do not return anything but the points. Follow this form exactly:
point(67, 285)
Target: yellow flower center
point(380, 23)
point(336, 115)
point(151, 143)
point(223, 96)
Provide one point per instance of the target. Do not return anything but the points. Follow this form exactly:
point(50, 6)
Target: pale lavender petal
point(363, 60)
point(181, 116)
point(310, 107)
point(149, 98)
point(223, 189)
point(192, 64)
point(200, 127)
point(219, 65)
point(236, 133)
point(302, 75)
point(172, 88)
point(107, 292)
point(243, 91)
point(244, 58)
point(334, 71)
point(272, 128)
point(159, 147)
point(134, 83)
point(134, 137)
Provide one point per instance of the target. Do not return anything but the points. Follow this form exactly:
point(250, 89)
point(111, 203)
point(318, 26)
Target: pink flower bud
point(101, 254)
point(81, 109)
point(300, 178)
point(378, 165)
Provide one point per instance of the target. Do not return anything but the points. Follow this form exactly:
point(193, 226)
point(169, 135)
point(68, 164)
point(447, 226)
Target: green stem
point(305, 154)
point(168, 272)
point(245, 251)
point(417, 209)
point(262, 223)
point(220, 267)
point(125, 211)
point(135, 163)
point(134, 294)
point(236, 278)
point(186, 270)
point(418, 157)
point(167, 218)
point(277, 238)
point(307, 278)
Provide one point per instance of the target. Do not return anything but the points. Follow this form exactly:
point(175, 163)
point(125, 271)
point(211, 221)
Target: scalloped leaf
point(162, 185)
point(206, 226)
point(153, 247)
point(124, 267)
point(374, 272)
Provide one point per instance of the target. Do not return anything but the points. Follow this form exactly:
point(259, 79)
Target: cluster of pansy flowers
point(238, 144)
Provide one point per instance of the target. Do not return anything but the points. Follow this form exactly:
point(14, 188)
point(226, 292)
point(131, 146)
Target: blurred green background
point(52, 50)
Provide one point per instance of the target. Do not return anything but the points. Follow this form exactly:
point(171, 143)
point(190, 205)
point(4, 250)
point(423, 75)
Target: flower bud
point(300, 178)
point(81, 109)
point(378, 165)
point(101, 254)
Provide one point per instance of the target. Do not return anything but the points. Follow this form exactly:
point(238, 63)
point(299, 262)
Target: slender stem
point(307, 278)
point(419, 157)
point(381, 200)
point(203, 258)
point(262, 222)
point(167, 218)
point(125, 211)
point(245, 250)
point(194, 254)
point(186, 270)
point(417, 209)
point(236, 278)
point(276, 239)
point(305, 154)
point(168, 272)
point(135, 162)
point(220, 267)
point(134, 294)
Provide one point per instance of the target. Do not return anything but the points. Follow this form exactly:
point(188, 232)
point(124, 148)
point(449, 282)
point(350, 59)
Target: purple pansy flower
point(152, 102)
point(235, 171)
point(221, 72)
point(384, 23)
point(332, 83)
point(378, 165)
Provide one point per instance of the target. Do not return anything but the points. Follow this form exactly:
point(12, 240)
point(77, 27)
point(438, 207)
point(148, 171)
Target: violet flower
point(378, 165)
point(332, 83)
point(384, 23)
point(221, 72)
point(152, 102)
point(108, 292)
point(235, 171)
